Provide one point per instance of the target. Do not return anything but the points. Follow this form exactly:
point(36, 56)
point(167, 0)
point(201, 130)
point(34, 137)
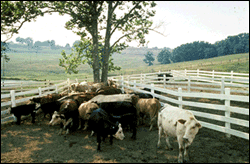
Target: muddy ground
point(39, 143)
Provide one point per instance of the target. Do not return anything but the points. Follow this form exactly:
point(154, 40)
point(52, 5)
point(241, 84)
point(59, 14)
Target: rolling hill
point(44, 64)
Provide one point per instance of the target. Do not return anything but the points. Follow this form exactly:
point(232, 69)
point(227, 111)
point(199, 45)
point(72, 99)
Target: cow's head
point(192, 127)
point(119, 133)
point(57, 118)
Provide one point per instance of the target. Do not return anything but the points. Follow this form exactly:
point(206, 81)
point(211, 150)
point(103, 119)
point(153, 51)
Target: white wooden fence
point(40, 91)
point(136, 82)
point(196, 80)
point(224, 94)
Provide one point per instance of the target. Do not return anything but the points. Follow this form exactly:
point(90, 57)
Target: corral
point(39, 143)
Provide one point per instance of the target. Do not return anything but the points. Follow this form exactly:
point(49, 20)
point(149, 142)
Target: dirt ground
point(40, 143)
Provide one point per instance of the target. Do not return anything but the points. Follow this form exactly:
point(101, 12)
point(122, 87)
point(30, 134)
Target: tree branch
point(124, 19)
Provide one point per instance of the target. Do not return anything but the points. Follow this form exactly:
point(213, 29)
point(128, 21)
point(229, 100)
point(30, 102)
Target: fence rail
point(195, 79)
point(188, 84)
point(40, 91)
point(185, 81)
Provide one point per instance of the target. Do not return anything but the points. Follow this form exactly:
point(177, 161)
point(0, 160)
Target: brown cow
point(48, 98)
point(80, 87)
point(148, 107)
point(80, 97)
point(108, 91)
point(85, 110)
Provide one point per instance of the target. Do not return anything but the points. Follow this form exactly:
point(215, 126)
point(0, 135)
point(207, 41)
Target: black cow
point(68, 110)
point(162, 74)
point(50, 108)
point(126, 110)
point(103, 124)
point(26, 109)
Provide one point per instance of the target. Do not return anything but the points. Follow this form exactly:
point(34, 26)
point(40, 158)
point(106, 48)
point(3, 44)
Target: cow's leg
point(168, 143)
point(186, 157)
point(61, 129)
point(181, 148)
point(67, 132)
point(50, 116)
point(92, 133)
point(80, 124)
point(144, 118)
point(151, 123)
point(33, 115)
point(98, 142)
point(111, 139)
point(18, 119)
point(85, 125)
point(159, 136)
point(134, 129)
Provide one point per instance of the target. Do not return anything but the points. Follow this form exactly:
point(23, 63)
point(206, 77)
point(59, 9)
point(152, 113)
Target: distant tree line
point(203, 50)
point(30, 43)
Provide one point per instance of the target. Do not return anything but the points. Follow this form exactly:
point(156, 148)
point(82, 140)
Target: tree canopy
point(88, 19)
point(149, 58)
point(164, 56)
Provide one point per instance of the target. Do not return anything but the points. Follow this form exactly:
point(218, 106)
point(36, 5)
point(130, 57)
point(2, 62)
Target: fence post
point(185, 73)
point(56, 90)
point(40, 91)
point(122, 84)
point(213, 76)
point(222, 85)
point(144, 79)
point(76, 80)
point(189, 84)
point(12, 96)
point(164, 81)
point(180, 97)
point(152, 90)
point(68, 84)
point(134, 84)
point(227, 112)
point(232, 74)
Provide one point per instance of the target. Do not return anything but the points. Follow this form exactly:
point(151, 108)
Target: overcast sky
point(185, 22)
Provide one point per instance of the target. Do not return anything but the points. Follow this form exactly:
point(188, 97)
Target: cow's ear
point(181, 121)
point(198, 125)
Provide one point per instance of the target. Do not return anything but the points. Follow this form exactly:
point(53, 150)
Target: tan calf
point(148, 107)
point(85, 110)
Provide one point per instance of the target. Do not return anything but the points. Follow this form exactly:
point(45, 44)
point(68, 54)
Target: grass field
point(41, 66)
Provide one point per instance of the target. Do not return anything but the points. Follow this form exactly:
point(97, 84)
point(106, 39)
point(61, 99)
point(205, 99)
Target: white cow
point(180, 123)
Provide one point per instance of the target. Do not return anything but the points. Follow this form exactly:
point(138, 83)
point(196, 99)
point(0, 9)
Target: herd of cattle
point(103, 109)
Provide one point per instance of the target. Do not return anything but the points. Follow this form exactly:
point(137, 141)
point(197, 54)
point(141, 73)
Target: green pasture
point(41, 66)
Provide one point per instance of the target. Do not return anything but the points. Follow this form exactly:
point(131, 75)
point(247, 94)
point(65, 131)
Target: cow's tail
point(156, 111)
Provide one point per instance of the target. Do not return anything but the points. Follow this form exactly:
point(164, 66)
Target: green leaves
point(164, 56)
point(82, 54)
point(149, 58)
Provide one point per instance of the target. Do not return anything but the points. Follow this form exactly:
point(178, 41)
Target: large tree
point(88, 19)
point(129, 18)
point(149, 58)
point(164, 56)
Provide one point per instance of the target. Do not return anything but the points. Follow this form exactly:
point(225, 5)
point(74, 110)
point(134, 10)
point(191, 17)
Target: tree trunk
point(96, 72)
point(106, 53)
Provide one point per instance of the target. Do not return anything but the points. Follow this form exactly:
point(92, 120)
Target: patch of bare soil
point(39, 143)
